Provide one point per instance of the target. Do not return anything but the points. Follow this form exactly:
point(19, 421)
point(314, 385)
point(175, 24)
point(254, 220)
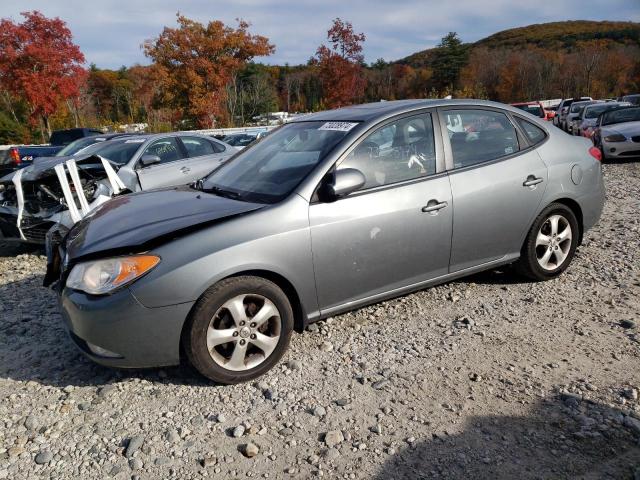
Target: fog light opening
point(102, 352)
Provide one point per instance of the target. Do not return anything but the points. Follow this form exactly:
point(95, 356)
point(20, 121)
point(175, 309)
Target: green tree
point(449, 58)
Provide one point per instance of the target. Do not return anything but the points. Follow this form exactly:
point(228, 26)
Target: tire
point(223, 314)
point(546, 256)
point(10, 249)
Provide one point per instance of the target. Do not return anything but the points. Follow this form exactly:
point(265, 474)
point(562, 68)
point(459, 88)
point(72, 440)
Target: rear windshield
point(533, 109)
point(239, 140)
point(65, 137)
point(621, 115)
point(119, 151)
point(78, 145)
point(595, 111)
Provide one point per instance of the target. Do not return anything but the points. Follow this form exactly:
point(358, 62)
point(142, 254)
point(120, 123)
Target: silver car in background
point(618, 133)
point(334, 211)
point(575, 111)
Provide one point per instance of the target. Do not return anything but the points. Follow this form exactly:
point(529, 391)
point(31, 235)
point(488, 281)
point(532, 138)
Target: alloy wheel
point(244, 332)
point(553, 242)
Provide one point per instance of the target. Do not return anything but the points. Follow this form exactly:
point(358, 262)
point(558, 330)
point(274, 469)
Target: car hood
point(628, 129)
point(139, 219)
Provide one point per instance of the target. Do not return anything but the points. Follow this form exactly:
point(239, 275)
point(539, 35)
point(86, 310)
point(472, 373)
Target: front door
point(395, 231)
point(168, 171)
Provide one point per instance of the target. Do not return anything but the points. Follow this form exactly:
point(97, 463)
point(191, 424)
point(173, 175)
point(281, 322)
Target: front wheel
point(550, 244)
point(238, 330)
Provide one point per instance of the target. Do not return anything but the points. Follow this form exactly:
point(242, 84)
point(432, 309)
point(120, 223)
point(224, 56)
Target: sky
point(110, 32)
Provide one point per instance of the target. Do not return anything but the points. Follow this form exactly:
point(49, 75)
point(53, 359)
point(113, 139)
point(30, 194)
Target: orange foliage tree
point(343, 81)
point(40, 63)
point(196, 62)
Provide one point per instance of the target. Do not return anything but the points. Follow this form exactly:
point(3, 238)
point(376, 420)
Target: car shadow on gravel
point(562, 437)
point(34, 345)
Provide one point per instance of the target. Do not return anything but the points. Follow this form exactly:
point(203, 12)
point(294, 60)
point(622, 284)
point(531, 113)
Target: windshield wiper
point(221, 192)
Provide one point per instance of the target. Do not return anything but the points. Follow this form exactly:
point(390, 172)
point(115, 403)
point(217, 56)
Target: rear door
point(497, 182)
point(168, 171)
point(204, 156)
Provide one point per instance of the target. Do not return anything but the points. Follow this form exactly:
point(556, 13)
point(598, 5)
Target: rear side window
point(534, 133)
point(479, 136)
point(197, 147)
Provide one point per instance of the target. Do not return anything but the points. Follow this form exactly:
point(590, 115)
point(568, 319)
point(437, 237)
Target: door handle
point(531, 181)
point(185, 169)
point(433, 206)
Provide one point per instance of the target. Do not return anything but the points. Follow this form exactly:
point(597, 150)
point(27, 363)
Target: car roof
point(369, 112)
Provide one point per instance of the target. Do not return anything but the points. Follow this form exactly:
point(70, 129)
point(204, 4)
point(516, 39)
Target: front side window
point(483, 136)
point(534, 133)
point(167, 149)
point(399, 151)
point(271, 172)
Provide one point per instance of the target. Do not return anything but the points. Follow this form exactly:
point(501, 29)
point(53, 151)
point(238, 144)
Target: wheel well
point(299, 317)
point(577, 211)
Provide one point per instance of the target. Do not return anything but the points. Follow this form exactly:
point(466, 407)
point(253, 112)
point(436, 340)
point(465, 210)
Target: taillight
point(595, 153)
point(15, 156)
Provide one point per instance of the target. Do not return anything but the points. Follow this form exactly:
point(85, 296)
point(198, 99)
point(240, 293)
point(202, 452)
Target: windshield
point(119, 151)
point(78, 145)
point(269, 171)
point(533, 109)
point(621, 115)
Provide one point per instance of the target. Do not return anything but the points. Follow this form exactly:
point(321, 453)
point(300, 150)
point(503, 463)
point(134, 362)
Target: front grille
point(631, 153)
point(35, 230)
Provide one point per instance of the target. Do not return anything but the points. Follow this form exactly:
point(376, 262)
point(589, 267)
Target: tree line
point(205, 76)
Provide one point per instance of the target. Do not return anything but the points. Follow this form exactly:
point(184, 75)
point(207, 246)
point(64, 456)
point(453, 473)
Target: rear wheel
point(550, 244)
point(238, 330)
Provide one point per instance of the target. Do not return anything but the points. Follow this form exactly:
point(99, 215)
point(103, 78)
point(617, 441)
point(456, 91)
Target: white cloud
point(110, 32)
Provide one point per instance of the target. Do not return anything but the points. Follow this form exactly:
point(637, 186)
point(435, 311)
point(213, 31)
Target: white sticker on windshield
point(338, 126)
point(135, 140)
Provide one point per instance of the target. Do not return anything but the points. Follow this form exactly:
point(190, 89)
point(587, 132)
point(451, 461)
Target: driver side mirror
point(344, 182)
point(147, 160)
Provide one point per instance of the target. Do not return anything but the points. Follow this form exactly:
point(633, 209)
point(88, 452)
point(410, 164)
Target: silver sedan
point(334, 211)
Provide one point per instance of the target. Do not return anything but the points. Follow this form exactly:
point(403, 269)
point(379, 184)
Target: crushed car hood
point(44, 167)
point(140, 218)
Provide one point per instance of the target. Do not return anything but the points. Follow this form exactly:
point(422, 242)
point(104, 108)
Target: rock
point(250, 450)
point(209, 461)
point(377, 428)
point(475, 377)
point(319, 411)
point(172, 435)
point(632, 423)
point(627, 324)
point(221, 418)
point(333, 438)
point(326, 346)
point(331, 454)
point(135, 464)
point(630, 393)
point(43, 458)
point(238, 431)
point(313, 328)
point(380, 385)
point(341, 402)
point(294, 365)
point(161, 461)
point(31, 423)
point(134, 444)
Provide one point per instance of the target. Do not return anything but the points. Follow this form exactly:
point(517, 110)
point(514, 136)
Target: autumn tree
point(40, 63)
point(340, 65)
point(196, 62)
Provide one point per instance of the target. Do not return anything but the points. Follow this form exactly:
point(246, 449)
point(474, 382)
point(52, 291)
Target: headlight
point(616, 137)
point(103, 276)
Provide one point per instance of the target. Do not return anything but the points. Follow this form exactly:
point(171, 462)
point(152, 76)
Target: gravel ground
point(488, 377)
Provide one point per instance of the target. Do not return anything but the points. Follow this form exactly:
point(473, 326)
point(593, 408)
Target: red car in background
point(534, 108)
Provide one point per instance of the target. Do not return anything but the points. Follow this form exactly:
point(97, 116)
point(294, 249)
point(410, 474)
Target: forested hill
point(552, 36)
